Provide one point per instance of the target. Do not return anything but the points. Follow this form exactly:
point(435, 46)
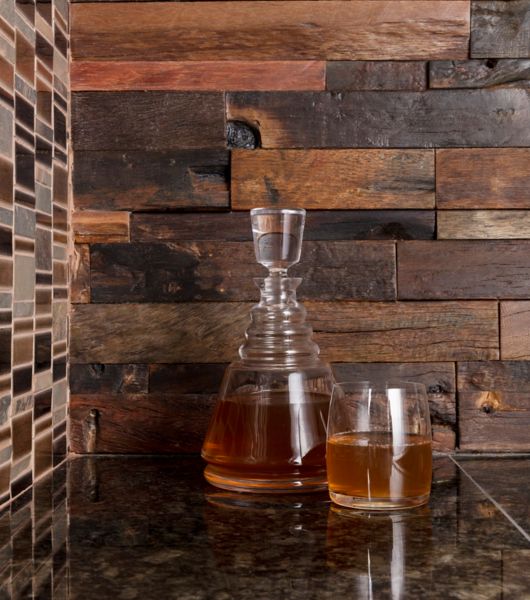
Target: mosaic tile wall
point(33, 240)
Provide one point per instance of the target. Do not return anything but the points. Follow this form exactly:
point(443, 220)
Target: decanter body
point(268, 430)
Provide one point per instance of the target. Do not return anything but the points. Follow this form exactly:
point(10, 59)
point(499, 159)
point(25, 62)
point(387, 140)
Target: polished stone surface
point(151, 528)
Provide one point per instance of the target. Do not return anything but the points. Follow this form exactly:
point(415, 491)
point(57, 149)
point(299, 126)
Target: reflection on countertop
point(129, 527)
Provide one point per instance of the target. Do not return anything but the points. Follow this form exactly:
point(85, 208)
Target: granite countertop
point(150, 527)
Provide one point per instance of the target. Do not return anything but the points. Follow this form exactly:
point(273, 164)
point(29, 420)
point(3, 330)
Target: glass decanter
point(268, 430)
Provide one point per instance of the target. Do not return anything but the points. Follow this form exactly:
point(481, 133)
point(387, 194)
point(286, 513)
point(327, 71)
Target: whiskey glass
point(379, 445)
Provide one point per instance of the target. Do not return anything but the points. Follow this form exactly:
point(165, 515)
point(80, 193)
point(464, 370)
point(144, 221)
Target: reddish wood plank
point(515, 330)
point(198, 75)
point(294, 30)
point(483, 178)
point(100, 226)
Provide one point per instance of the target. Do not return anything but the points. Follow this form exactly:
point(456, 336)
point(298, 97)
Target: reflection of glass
point(379, 445)
point(268, 430)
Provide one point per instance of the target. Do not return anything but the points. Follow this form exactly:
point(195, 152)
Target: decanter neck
point(278, 333)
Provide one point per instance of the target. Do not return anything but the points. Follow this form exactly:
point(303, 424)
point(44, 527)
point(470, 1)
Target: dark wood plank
point(408, 29)
point(463, 269)
point(515, 325)
point(386, 119)
point(479, 73)
point(351, 76)
point(145, 180)
point(198, 75)
point(483, 224)
point(201, 378)
point(494, 411)
point(80, 274)
point(108, 379)
point(483, 178)
point(100, 226)
point(213, 271)
point(346, 331)
point(500, 29)
point(320, 225)
point(439, 379)
point(139, 423)
point(147, 121)
point(354, 178)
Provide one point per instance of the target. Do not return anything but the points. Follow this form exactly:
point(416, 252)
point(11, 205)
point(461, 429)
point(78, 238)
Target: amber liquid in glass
point(374, 465)
point(269, 436)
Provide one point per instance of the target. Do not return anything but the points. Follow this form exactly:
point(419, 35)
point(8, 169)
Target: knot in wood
point(242, 135)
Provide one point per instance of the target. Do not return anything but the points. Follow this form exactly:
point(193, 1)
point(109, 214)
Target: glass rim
point(277, 211)
point(380, 385)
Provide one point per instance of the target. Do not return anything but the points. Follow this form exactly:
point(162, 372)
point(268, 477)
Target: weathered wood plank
point(479, 73)
point(147, 121)
point(139, 180)
point(463, 269)
point(483, 224)
point(346, 331)
point(293, 30)
point(100, 226)
point(198, 75)
point(515, 330)
point(213, 271)
point(483, 178)
point(109, 379)
point(320, 225)
point(139, 423)
point(439, 379)
point(428, 119)
point(494, 405)
point(500, 29)
point(351, 76)
point(354, 178)
point(201, 378)
point(80, 274)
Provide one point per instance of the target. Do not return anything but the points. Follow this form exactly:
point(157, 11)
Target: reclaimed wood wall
point(403, 126)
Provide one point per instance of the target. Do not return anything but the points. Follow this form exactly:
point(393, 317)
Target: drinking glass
point(378, 452)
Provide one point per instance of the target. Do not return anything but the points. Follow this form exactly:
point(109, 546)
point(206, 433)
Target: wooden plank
point(483, 178)
point(483, 224)
point(351, 76)
point(494, 410)
point(139, 423)
point(139, 180)
point(346, 331)
point(468, 270)
point(147, 121)
point(479, 73)
point(320, 225)
point(515, 330)
point(379, 119)
point(201, 378)
point(500, 29)
point(100, 226)
point(439, 379)
point(293, 30)
point(198, 75)
point(109, 379)
point(358, 179)
point(210, 271)
point(80, 274)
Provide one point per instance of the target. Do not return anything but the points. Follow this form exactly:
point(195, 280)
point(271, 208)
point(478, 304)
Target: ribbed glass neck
point(278, 333)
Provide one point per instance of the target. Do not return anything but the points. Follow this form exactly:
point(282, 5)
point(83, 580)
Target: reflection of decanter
point(268, 430)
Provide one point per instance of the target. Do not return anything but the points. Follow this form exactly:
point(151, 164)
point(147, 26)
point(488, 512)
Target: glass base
point(378, 503)
point(233, 482)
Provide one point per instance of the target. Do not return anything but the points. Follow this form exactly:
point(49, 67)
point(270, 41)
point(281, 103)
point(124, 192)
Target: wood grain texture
point(320, 225)
point(479, 73)
point(500, 29)
point(483, 178)
point(463, 269)
point(350, 76)
point(147, 121)
point(437, 118)
point(515, 330)
point(80, 274)
point(346, 331)
point(494, 406)
point(140, 423)
point(483, 224)
point(109, 379)
point(200, 378)
point(354, 179)
point(294, 30)
point(151, 180)
point(213, 271)
point(100, 226)
point(439, 379)
point(198, 75)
